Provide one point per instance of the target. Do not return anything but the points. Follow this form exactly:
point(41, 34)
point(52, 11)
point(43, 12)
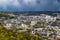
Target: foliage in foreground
point(9, 34)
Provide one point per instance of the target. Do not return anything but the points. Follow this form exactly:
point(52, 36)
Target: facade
point(8, 25)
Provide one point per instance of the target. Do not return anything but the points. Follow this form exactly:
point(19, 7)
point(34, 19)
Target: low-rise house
point(32, 32)
point(24, 26)
point(36, 30)
point(8, 25)
point(15, 21)
point(16, 25)
point(12, 15)
point(6, 21)
point(21, 31)
point(40, 32)
point(3, 17)
point(58, 33)
point(58, 16)
point(33, 23)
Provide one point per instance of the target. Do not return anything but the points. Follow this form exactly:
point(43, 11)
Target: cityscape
point(43, 26)
point(29, 19)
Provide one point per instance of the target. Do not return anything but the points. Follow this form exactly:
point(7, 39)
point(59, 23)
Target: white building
point(38, 29)
point(12, 15)
point(24, 26)
point(48, 18)
point(8, 25)
point(58, 16)
point(21, 31)
point(33, 23)
point(58, 33)
point(14, 21)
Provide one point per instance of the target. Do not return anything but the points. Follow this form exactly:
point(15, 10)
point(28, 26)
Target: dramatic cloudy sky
point(29, 5)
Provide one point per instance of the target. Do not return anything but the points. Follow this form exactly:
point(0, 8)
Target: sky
point(29, 5)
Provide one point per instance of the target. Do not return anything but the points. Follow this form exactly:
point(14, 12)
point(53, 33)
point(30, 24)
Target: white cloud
point(5, 3)
point(15, 2)
point(31, 2)
point(9, 2)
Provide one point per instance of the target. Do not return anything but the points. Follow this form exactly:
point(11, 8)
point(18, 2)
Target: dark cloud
point(30, 5)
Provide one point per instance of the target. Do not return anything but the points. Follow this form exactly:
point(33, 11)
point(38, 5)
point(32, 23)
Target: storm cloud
point(29, 5)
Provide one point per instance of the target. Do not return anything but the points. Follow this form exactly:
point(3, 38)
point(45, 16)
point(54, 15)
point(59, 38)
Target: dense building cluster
point(45, 26)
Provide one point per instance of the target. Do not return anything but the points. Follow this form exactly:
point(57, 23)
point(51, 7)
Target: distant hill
point(33, 12)
point(38, 12)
